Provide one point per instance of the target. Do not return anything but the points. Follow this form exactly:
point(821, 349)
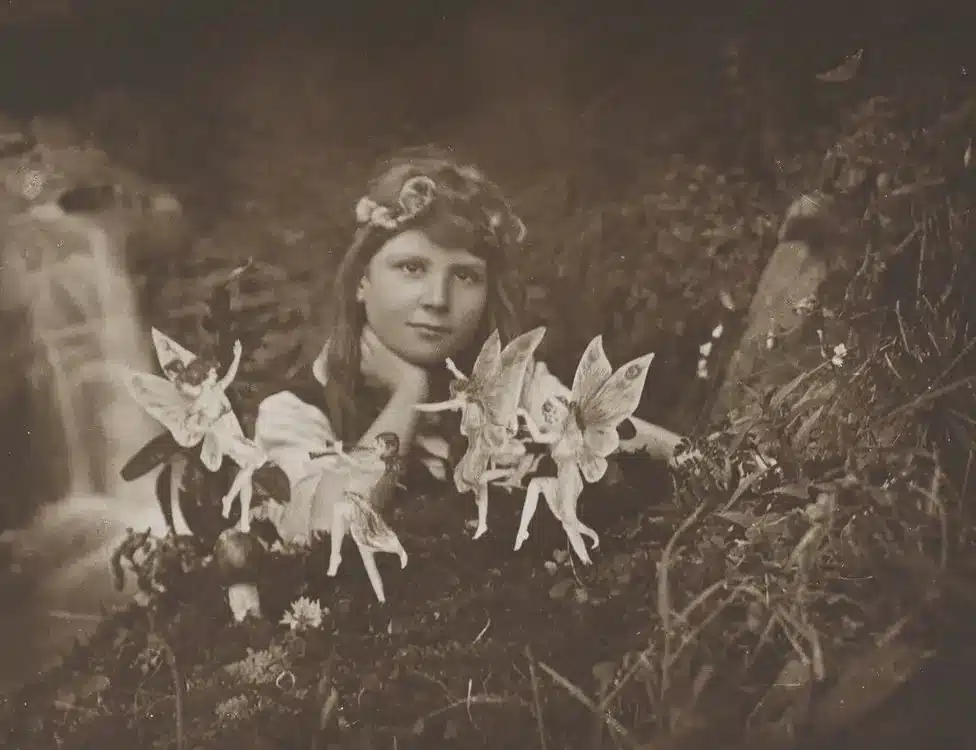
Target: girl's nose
point(437, 291)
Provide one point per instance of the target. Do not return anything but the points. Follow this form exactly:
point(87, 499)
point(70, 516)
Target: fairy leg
point(516, 477)
point(577, 543)
point(235, 489)
point(529, 507)
point(570, 487)
point(247, 494)
point(373, 572)
point(589, 533)
point(482, 501)
point(337, 534)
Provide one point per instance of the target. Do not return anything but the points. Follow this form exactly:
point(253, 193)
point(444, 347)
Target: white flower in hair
point(381, 217)
point(364, 209)
point(415, 196)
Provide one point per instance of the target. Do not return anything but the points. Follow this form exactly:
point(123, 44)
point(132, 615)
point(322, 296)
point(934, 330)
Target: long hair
point(458, 218)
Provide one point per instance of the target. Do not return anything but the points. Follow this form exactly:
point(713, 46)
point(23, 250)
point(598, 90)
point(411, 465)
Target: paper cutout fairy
point(489, 401)
point(581, 431)
point(191, 402)
point(371, 474)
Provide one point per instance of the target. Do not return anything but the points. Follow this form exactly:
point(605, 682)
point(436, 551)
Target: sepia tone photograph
point(558, 376)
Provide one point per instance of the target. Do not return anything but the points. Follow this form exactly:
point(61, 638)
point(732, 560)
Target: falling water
point(66, 273)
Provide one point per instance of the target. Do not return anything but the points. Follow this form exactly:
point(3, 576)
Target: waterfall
point(66, 273)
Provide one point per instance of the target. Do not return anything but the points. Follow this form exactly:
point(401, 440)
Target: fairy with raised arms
point(191, 402)
point(581, 432)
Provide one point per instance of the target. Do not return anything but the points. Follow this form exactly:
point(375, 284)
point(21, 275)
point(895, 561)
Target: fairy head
point(556, 410)
point(193, 378)
point(429, 268)
point(459, 387)
point(388, 444)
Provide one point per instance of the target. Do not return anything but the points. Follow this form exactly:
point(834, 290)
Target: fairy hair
point(464, 210)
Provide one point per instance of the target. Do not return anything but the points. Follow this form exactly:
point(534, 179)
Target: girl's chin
point(427, 354)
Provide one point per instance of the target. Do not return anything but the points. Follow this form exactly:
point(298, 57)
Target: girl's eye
point(468, 276)
point(411, 267)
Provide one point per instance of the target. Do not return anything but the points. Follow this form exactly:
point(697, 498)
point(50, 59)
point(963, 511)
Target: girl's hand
point(381, 365)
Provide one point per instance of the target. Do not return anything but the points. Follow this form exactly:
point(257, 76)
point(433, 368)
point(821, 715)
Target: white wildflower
point(705, 349)
point(840, 352)
point(305, 614)
point(717, 331)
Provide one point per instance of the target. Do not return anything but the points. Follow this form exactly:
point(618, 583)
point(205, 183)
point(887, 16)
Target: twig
point(540, 721)
point(326, 700)
point(690, 637)
point(925, 398)
point(178, 692)
point(484, 699)
point(430, 678)
point(664, 596)
point(61, 614)
point(579, 695)
point(482, 633)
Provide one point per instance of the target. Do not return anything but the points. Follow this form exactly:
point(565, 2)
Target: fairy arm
point(537, 435)
point(453, 369)
point(451, 405)
point(234, 366)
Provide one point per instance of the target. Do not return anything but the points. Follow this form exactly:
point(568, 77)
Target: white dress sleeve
point(289, 430)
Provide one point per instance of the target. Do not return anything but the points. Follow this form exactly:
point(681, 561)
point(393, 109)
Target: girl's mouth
point(430, 332)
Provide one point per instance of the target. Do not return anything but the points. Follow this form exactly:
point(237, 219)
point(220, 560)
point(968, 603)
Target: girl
point(428, 276)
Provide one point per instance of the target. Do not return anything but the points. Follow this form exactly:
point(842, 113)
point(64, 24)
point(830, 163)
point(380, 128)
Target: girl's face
point(423, 300)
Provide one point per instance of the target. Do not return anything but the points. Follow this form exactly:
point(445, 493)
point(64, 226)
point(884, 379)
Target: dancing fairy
point(489, 402)
point(191, 402)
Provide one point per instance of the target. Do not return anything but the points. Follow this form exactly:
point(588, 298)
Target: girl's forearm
point(399, 416)
point(652, 439)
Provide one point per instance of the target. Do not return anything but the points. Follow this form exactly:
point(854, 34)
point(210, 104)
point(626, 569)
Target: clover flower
point(305, 614)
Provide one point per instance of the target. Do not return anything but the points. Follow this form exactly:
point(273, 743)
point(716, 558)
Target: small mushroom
point(237, 556)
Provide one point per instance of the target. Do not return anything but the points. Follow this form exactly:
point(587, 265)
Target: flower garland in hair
point(418, 194)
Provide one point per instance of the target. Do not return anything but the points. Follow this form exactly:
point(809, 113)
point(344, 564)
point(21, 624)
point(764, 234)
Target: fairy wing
point(168, 351)
point(165, 404)
point(226, 437)
point(211, 454)
point(472, 465)
point(487, 362)
point(503, 391)
point(369, 530)
point(592, 371)
point(601, 412)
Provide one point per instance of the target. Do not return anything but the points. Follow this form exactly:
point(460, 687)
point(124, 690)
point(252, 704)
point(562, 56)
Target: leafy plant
point(183, 479)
